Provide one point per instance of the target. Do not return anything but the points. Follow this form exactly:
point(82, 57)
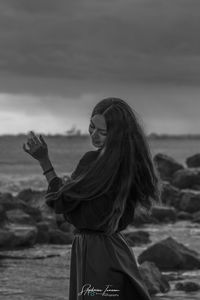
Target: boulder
point(11, 204)
point(141, 218)
point(170, 195)
point(153, 278)
point(190, 201)
point(51, 221)
point(187, 286)
point(43, 233)
point(6, 239)
point(169, 254)
point(196, 217)
point(25, 236)
point(3, 217)
point(67, 227)
point(155, 216)
point(164, 213)
point(8, 202)
point(193, 161)
point(166, 166)
point(137, 238)
point(174, 276)
point(187, 178)
point(196, 187)
point(19, 216)
point(59, 219)
point(34, 212)
point(140, 221)
point(32, 197)
point(6, 197)
point(183, 215)
point(57, 236)
point(22, 236)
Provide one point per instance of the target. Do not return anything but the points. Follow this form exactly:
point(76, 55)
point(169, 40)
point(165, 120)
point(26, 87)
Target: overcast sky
point(59, 58)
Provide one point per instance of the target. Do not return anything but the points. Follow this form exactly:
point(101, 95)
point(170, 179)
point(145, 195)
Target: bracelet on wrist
point(49, 170)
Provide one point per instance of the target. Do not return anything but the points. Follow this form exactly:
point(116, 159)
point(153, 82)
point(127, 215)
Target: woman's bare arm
point(46, 165)
point(38, 149)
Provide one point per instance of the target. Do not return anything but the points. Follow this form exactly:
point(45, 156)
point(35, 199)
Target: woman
point(108, 187)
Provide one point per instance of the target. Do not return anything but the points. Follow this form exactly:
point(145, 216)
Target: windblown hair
point(125, 163)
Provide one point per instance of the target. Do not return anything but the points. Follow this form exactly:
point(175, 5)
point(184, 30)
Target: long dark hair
point(125, 163)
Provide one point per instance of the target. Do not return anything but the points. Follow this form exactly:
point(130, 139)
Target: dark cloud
point(35, 7)
point(115, 40)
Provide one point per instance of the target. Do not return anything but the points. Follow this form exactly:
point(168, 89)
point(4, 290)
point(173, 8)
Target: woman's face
point(98, 130)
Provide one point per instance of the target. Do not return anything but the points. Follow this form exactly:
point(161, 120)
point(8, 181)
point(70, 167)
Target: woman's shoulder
point(84, 163)
point(89, 156)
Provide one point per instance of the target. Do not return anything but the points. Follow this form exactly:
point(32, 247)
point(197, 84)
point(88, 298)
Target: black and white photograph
point(99, 149)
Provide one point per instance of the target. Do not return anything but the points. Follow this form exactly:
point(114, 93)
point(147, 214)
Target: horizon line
point(79, 134)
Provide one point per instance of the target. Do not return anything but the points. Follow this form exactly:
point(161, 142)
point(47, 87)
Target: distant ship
point(73, 131)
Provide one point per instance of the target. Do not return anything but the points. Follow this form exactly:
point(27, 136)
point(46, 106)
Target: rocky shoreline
point(26, 221)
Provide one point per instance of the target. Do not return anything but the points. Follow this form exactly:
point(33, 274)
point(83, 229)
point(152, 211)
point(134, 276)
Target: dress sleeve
point(84, 163)
point(90, 214)
point(87, 214)
point(63, 202)
point(81, 213)
point(56, 183)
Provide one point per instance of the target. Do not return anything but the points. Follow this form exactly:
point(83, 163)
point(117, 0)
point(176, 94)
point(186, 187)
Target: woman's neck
point(101, 151)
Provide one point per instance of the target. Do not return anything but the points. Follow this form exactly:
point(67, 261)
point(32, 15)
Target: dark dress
point(101, 265)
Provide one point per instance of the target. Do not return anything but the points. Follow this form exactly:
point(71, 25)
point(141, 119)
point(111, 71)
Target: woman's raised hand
point(37, 147)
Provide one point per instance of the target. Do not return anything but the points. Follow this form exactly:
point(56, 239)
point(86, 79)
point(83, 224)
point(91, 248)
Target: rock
point(190, 201)
point(19, 216)
point(22, 236)
point(12, 204)
point(6, 239)
point(141, 218)
point(153, 278)
point(34, 212)
point(186, 179)
point(3, 217)
point(137, 238)
point(166, 166)
point(59, 237)
point(158, 214)
point(183, 215)
point(173, 276)
point(25, 237)
point(51, 221)
point(67, 227)
point(196, 187)
point(164, 213)
point(196, 217)
point(187, 286)
point(168, 255)
point(6, 197)
point(59, 219)
point(34, 198)
point(43, 236)
point(8, 202)
point(170, 195)
point(193, 161)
